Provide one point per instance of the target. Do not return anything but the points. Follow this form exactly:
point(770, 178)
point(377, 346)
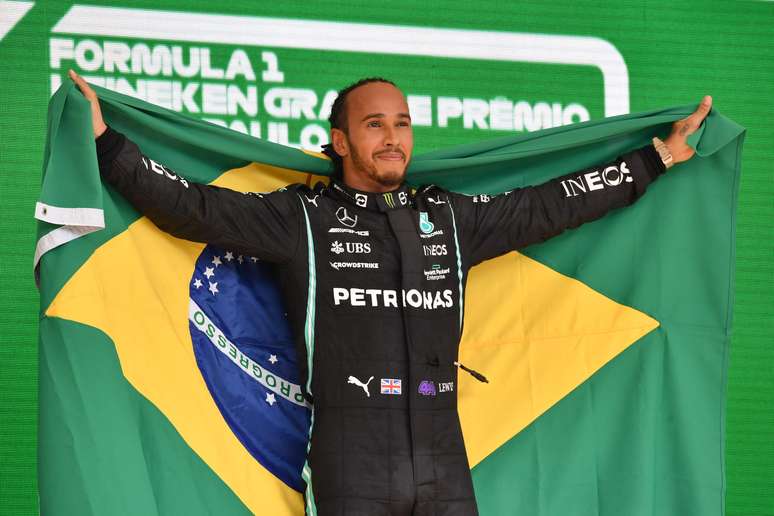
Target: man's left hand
point(676, 142)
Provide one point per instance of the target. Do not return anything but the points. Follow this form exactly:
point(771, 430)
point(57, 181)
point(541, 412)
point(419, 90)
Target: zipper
point(475, 374)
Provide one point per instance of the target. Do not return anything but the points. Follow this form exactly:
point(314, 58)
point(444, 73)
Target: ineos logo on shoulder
point(345, 218)
point(163, 171)
point(611, 176)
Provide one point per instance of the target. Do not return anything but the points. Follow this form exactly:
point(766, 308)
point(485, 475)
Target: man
point(373, 276)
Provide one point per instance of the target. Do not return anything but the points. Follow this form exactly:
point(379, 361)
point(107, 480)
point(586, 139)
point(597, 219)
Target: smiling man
point(371, 132)
point(373, 274)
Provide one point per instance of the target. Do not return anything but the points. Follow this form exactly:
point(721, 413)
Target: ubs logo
point(351, 247)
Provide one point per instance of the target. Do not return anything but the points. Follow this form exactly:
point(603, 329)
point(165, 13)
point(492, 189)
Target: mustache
point(391, 151)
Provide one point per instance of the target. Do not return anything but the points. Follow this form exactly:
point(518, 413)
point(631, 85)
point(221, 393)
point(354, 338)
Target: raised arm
point(494, 225)
point(263, 225)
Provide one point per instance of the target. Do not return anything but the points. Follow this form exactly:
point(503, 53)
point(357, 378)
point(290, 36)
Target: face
point(376, 149)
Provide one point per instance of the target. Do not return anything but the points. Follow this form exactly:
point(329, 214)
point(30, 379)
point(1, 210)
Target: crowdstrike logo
point(610, 177)
point(354, 265)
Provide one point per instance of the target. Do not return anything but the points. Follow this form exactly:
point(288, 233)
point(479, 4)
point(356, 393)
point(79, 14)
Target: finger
point(695, 119)
point(75, 77)
point(82, 85)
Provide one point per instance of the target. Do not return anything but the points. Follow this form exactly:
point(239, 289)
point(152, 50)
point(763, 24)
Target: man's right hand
point(96, 114)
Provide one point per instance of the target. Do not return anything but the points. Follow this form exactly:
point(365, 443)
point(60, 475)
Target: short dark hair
point(338, 119)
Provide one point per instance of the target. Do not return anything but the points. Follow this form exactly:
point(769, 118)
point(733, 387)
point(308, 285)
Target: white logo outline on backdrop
point(263, 32)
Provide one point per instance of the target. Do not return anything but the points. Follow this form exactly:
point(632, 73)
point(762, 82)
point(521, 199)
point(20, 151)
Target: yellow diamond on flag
point(536, 334)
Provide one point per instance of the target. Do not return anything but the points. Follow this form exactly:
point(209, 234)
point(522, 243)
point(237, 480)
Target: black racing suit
point(374, 289)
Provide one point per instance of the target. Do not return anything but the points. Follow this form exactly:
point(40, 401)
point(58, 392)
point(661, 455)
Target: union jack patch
point(391, 386)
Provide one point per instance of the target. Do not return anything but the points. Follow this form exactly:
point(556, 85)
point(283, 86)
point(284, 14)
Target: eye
point(374, 123)
point(403, 124)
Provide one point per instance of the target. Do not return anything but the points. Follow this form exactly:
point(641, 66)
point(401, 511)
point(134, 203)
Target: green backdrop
point(512, 67)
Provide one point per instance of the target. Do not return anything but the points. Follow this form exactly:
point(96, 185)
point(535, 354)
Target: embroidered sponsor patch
point(445, 386)
point(426, 388)
point(391, 386)
point(425, 225)
point(364, 385)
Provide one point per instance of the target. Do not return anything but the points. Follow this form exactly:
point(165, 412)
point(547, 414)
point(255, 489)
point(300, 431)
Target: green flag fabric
point(611, 404)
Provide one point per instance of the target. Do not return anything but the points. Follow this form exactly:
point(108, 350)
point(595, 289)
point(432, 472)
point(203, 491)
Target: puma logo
point(357, 382)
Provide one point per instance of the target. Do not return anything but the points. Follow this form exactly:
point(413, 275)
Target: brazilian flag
point(168, 383)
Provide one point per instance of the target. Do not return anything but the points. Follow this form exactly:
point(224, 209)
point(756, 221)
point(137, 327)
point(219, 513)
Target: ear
point(340, 142)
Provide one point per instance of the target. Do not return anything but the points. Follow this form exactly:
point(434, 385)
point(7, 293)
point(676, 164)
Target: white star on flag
point(229, 256)
point(213, 287)
point(240, 259)
point(254, 259)
point(198, 283)
point(216, 261)
point(209, 272)
point(270, 399)
point(273, 359)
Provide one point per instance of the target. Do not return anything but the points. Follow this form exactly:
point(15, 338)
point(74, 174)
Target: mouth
point(391, 156)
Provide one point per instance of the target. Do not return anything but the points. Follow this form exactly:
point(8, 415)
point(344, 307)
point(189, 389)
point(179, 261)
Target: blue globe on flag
point(244, 350)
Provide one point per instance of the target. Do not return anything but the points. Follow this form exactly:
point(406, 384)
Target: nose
point(391, 136)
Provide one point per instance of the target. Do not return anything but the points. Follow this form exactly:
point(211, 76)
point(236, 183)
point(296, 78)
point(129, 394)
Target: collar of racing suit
point(401, 197)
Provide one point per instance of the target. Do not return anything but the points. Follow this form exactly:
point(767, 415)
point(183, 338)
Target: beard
point(390, 179)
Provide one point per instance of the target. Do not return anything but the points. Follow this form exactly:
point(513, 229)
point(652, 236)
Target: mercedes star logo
point(345, 218)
